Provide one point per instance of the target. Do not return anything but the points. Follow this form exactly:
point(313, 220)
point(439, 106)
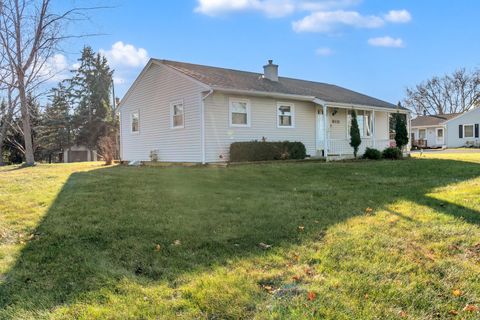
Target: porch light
point(335, 111)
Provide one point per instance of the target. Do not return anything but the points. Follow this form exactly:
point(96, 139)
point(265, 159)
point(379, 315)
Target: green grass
point(365, 240)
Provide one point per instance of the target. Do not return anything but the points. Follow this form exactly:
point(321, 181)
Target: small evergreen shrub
point(372, 154)
point(355, 138)
point(266, 151)
point(392, 153)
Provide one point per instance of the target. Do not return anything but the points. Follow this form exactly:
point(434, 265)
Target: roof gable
point(433, 120)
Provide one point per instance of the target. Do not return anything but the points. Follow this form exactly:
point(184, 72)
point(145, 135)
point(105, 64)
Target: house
point(184, 112)
point(79, 153)
point(447, 130)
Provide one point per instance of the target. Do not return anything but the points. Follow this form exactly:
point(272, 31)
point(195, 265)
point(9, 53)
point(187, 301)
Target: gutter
point(305, 98)
point(202, 124)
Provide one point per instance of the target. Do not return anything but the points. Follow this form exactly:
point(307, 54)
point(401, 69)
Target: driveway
point(460, 150)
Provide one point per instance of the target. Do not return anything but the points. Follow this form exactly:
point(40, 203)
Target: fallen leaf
point(301, 228)
point(453, 312)
point(296, 278)
point(457, 292)
point(471, 308)
point(309, 272)
point(311, 296)
point(264, 245)
point(296, 256)
point(402, 314)
point(177, 242)
point(366, 296)
point(158, 247)
point(368, 210)
point(267, 288)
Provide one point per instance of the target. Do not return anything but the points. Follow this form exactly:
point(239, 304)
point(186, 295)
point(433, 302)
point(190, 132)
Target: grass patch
point(364, 240)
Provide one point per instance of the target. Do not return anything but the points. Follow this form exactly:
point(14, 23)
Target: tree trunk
point(27, 129)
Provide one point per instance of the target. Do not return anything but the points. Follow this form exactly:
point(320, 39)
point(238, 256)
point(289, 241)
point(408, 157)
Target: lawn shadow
point(152, 224)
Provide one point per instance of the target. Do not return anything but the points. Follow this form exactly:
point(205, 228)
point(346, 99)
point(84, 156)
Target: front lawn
point(365, 240)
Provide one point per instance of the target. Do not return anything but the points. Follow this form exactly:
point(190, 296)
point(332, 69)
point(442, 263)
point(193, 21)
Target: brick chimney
point(270, 71)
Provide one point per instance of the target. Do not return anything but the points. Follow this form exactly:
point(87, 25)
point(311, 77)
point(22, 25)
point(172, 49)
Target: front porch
point(333, 130)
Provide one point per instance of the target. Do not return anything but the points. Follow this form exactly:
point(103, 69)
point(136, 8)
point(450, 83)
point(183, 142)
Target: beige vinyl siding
point(382, 125)
point(338, 123)
point(219, 135)
point(151, 97)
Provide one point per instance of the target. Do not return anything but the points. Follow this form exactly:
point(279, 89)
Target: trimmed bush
point(266, 151)
point(392, 153)
point(372, 154)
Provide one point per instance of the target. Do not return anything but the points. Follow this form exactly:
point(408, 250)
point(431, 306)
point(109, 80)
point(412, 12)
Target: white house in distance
point(192, 113)
point(447, 131)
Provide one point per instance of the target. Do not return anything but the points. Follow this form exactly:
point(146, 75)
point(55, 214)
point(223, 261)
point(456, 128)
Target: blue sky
point(376, 47)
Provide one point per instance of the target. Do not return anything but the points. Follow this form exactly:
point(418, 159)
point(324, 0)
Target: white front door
point(440, 136)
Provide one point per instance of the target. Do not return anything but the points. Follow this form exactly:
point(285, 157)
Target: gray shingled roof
point(423, 121)
point(251, 81)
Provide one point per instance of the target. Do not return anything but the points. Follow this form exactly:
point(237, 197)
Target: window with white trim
point(285, 115)
point(422, 134)
point(365, 122)
point(135, 122)
point(177, 114)
point(468, 131)
point(239, 113)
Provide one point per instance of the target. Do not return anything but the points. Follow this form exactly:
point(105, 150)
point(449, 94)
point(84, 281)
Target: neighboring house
point(79, 154)
point(447, 130)
point(192, 113)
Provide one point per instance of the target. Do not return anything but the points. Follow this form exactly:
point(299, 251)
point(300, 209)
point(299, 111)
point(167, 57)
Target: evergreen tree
point(355, 139)
point(55, 129)
point(90, 92)
point(401, 132)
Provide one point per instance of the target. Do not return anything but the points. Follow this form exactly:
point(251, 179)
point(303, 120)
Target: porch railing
point(341, 147)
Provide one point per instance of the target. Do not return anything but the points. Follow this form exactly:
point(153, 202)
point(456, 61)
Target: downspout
point(202, 125)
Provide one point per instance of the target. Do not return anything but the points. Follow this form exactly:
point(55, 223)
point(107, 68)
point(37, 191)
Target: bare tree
point(29, 36)
point(453, 93)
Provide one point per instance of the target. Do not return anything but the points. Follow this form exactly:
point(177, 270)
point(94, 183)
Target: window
point(239, 113)
point(422, 134)
point(135, 122)
point(285, 115)
point(365, 123)
point(468, 131)
point(177, 114)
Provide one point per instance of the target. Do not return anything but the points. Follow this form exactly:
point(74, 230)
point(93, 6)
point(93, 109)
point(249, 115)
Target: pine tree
point(55, 129)
point(355, 139)
point(90, 92)
point(401, 132)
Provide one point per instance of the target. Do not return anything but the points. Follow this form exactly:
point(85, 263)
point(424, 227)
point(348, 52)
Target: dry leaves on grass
point(471, 308)
point(301, 228)
point(311, 296)
point(158, 248)
point(457, 292)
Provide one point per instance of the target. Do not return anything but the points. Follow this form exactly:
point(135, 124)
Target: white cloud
point(398, 16)
point(388, 42)
point(55, 69)
point(119, 80)
point(271, 8)
point(122, 54)
point(328, 21)
point(325, 52)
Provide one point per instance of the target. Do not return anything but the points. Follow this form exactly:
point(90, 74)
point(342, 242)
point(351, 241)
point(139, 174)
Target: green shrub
point(266, 151)
point(355, 138)
point(392, 153)
point(373, 154)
